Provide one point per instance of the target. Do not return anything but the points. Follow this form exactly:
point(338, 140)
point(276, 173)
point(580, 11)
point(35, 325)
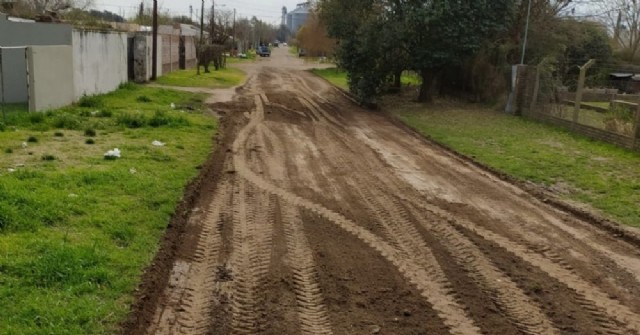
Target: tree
point(623, 20)
point(313, 37)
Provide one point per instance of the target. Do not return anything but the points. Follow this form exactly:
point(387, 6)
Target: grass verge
point(77, 230)
point(227, 77)
point(339, 77)
point(577, 169)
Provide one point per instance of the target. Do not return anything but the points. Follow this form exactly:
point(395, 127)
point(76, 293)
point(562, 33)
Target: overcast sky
point(267, 10)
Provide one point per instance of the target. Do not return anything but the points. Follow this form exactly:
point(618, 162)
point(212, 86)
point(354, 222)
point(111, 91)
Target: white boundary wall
point(50, 77)
point(99, 61)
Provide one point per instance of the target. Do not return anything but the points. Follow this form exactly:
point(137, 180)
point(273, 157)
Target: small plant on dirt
point(127, 86)
point(32, 139)
point(47, 157)
point(8, 151)
point(143, 98)
point(90, 132)
point(58, 134)
point(90, 141)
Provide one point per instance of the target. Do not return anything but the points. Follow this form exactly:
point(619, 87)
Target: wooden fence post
point(583, 74)
point(536, 86)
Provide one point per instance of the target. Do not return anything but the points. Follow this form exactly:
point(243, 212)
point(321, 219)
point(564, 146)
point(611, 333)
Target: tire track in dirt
point(453, 314)
point(314, 319)
point(193, 289)
point(523, 312)
point(593, 299)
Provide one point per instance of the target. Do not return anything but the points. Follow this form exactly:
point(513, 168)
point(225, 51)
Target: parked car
point(264, 51)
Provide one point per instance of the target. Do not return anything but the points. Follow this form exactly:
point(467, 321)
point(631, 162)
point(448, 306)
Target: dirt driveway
point(318, 217)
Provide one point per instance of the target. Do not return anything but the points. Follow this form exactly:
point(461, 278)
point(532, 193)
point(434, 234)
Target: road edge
point(616, 229)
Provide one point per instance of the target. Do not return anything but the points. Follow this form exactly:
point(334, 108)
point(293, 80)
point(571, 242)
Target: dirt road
point(318, 217)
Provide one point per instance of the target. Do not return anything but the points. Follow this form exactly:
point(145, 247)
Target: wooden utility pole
point(154, 51)
point(583, 74)
point(213, 21)
point(233, 31)
point(202, 23)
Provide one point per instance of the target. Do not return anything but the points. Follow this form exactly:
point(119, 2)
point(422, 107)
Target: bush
point(8, 151)
point(90, 141)
point(32, 139)
point(90, 101)
point(66, 121)
point(161, 118)
point(35, 118)
point(143, 98)
point(2, 126)
point(47, 157)
point(104, 113)
point(131, 120)
point(90, 132)
point(58, 134)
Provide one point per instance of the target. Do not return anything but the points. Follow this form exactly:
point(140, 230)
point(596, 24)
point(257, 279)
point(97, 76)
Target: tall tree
point(622, 17)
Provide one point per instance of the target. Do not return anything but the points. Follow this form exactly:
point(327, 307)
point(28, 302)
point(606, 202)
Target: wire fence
point(594, 101)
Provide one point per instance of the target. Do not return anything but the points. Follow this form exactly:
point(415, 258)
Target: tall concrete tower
point(284, 16)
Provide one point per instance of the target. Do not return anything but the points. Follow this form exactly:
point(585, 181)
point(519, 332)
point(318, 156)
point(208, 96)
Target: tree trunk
point(428, 86)
point(397, 80)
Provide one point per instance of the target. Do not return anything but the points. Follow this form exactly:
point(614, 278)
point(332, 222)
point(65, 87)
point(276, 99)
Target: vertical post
point(213, 20)
point(583, 74)
point(202, 23)
point(636, 129)
point(233, 37)
point(4, 113)
point(154, 48)
point(536, 89)
point(526, 34)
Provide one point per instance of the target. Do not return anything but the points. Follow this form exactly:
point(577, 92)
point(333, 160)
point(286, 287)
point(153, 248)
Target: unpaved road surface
point(319, 217)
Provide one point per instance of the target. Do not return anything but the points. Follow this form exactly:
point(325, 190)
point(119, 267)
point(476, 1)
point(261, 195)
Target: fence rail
point(601, 114)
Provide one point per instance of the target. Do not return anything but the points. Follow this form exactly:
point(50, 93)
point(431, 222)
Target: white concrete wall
point(150, 57)
point(99, 61)
point(50, 77)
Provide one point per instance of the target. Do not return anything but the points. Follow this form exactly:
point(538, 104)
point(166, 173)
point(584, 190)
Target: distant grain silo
point(298, 17)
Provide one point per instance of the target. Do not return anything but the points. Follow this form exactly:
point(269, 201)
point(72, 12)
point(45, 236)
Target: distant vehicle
point(263, 51)
point(276, 44)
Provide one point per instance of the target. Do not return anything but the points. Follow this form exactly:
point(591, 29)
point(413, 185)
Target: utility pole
point(154, 51)
point(233, 31)
point(526, 34)
point(202, 23)
point(213, 20)
point(191, 13)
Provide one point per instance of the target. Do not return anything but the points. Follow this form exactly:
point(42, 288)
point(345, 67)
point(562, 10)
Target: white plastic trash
point(115, 153)
point(157, 143)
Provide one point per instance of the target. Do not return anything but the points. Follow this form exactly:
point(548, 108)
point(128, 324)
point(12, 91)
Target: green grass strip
point(77, 230)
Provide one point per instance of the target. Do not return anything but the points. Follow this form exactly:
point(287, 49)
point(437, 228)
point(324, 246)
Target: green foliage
point(225, 77)
point(58, 134)
point(143, 98)
point(131, 120)
point(90, 132)
point(92, 101)
point(379, 40)
point(32, 139)
point(48, 157)
point(90, 141)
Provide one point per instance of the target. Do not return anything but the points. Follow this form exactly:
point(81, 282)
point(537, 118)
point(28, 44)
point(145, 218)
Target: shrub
point(143, 98)
point(2, 126)
point(32, 139)
point(47, 157)
point(58, 134)
point(132, 120)
point(90, 132)
point(90, 141)
point(66, 121)
point(35, 118)
point(8, 151)
point(104, 113)
point(161, 118)
point(90, 101)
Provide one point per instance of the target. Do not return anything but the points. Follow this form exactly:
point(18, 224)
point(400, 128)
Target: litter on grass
point(133, 171)
point(173, 106)
point(112, 154)
point(157, 143)
point(24, 145)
